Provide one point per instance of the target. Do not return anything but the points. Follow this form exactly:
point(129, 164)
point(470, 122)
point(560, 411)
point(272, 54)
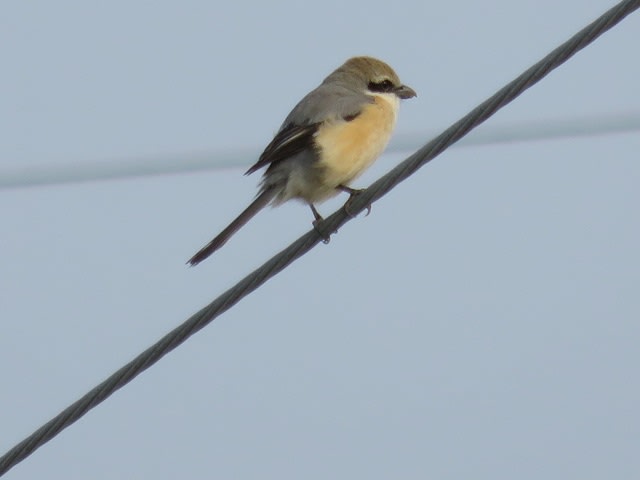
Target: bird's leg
point(318, 219)
point(316, 214)
point(353, 192)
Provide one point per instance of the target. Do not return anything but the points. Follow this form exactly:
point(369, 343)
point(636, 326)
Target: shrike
point(330, 137)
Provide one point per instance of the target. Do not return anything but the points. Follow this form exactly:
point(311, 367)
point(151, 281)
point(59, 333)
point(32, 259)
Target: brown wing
point(289, 141)
point(327, 102)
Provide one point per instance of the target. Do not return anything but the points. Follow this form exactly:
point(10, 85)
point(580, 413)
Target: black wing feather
point(289, 141)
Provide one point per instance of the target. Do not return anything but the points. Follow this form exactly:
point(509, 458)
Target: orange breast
point(349, 148)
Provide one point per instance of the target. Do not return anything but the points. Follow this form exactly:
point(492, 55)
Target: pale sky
point(482, 322)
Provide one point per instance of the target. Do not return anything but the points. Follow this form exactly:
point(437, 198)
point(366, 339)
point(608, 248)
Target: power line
point(203, 161)
point(584, 126)
point(305, 243)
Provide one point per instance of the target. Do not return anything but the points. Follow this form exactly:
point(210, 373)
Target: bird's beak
point(405, 92)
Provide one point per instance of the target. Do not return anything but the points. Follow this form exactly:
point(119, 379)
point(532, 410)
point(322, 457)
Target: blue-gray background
point(482, 322)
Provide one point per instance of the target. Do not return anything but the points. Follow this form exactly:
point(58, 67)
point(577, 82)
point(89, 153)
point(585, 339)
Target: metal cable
point(309, 240)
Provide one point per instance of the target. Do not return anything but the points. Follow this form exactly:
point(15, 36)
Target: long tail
point(261, 201)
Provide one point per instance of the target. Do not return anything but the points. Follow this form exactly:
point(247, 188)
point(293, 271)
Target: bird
point(329, 138)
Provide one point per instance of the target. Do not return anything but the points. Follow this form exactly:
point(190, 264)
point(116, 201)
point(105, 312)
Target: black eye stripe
point(384, 86)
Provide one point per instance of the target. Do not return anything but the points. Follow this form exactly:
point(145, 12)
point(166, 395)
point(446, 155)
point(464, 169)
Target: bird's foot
point(316, 225)
point(353, 193)
point(318, 219)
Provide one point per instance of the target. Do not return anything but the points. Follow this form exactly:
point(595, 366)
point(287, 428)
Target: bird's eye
point(384, 86)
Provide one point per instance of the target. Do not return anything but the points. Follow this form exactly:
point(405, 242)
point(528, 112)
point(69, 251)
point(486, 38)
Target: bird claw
point(325, 238)
point(353, 193)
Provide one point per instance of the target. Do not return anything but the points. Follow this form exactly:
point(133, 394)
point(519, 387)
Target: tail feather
point(261, 201)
